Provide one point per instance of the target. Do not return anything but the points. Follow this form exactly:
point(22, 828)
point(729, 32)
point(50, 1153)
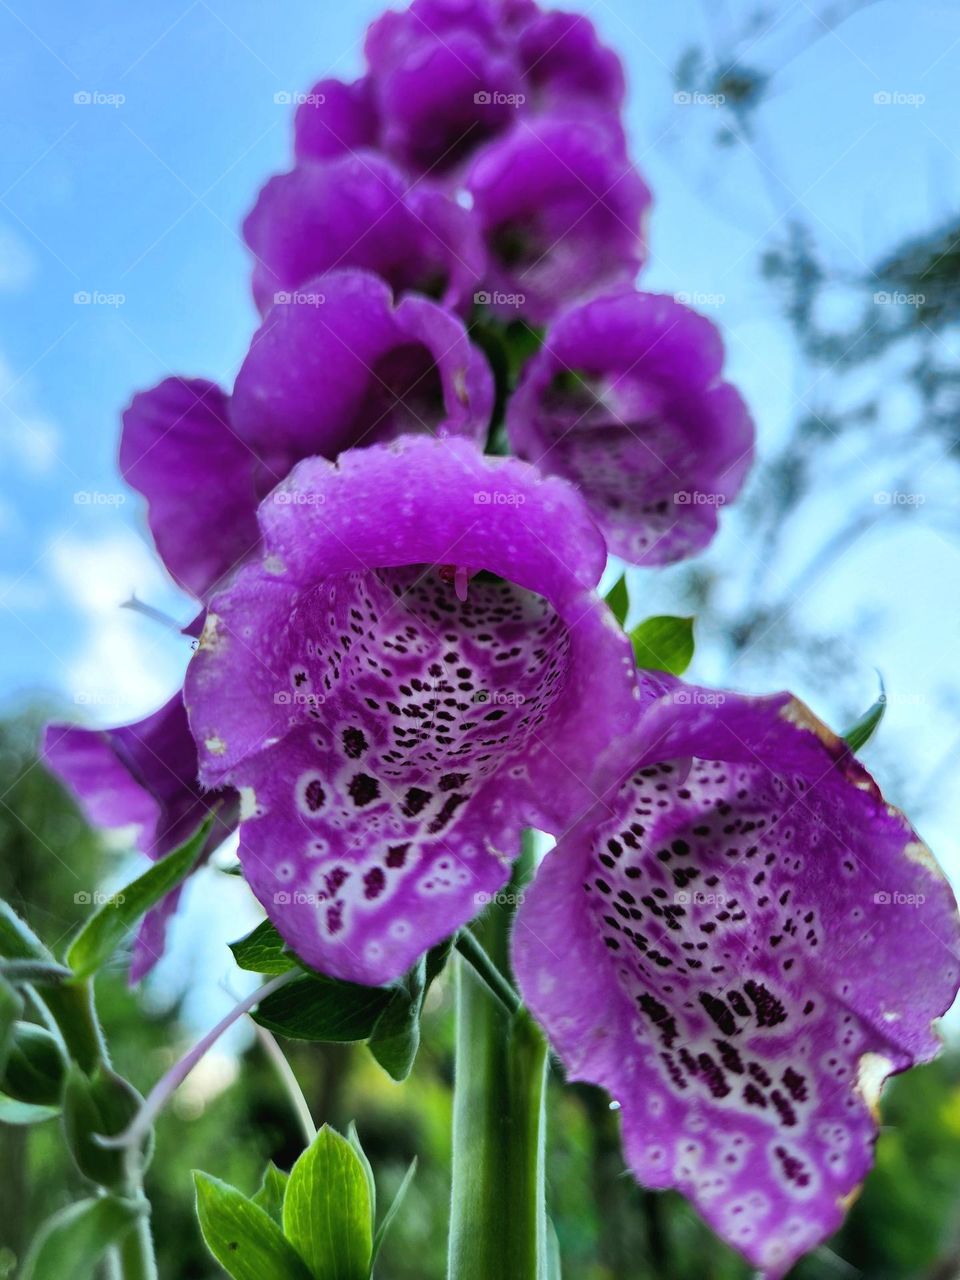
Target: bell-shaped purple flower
point(562, 212)
point(625, 398)
point(418, 668)
point(336, 365)
point(565, 66)
point(740, 942)
point(359, 211)
point(143, 778)
point(445, 81)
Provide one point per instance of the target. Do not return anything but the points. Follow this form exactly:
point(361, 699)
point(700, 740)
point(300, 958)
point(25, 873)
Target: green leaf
point(101, 1104)
point(314, 1008)
point(354, 1139)
point(396, 1037)
point(107, 927)
point(35, 1069)
point(663, 644)
point(618, 599)
point(242, 1237)
point(11, 1007)
point(272, 1189)
point(553, 1252)
point(14, 1112)
point(263, 951)
point(326, 1211)
point(70, 1244)
point(394, 1209)
point(17, 939)
point(859, 734)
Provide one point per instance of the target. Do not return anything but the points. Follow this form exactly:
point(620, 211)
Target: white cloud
point(124, 665)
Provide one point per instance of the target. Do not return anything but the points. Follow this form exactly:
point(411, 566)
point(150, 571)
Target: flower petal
point(720, 945)
point(335, 119)
point(177, 443)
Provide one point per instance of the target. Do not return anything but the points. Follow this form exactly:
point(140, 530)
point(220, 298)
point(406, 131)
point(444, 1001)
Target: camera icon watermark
point(97, 298)
point(894, 98)
point(700, 299)
point(298, 298)
point(500, 899)
point(97, 898)
point(893, 898)
point(94, 98)
point(298, 498)
point(494, 98)
point(94, 498)
point(698, 498)
point(897, 498)
point(684, 98)
point(498, 498)
point(291, 98)
point(484, 298)
point(885, 298)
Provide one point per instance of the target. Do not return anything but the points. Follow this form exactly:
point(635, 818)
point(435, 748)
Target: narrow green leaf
point(663, 644)
point(859, 734)
point(354, 1139)
point(35, 973)
point(11, 1007)
point(314, 1008)
point(17, 939)
point(14, 1112)
point(270, 1195)
point(396, 1037)
point(618, 599)
point(326, 1211)
point(553, 1252)
point(394, 1209)
point(263, 951)
point(70, 1244)
point(242, 1237)
point(107, 927)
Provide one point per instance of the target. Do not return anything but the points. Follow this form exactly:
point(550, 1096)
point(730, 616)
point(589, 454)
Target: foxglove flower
point(565, 66)
point(335, 119)
point(444, 80)
point(359, 211)
point(625, 399)
point(418, 668)
point(143, 778)
point(740, 942)
point(562, 212)
point(337, 365)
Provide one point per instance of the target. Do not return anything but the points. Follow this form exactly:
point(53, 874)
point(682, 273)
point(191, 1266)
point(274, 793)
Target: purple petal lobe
point(339, 365)
point(562, 212)
point(335, 119)
point(625, 399)
point(426, 669)
point(177, 444)
point(356, 211)
point(720, 945)
point(566, 67)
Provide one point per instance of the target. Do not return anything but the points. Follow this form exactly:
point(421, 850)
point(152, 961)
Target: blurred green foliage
point(905, 1226)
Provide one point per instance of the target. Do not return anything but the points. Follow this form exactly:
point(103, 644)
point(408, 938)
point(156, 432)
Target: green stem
point(498, 1215)
point(72, 1008)
point(136, 1253)
point(480, 961)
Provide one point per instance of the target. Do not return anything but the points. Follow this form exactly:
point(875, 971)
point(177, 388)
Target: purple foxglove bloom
point(337, 365)
point(359, 211)
point(425, 669)
point(445, 81)
point(625, 399)
point(562, 212)
point(335, 119)
point(740, 942)
point(143, 776)
point(565, 66)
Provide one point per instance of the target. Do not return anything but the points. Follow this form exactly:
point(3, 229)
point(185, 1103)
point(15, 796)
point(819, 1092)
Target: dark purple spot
point(414, 801)
point(354, 743)
point(363, 789)
point(314, 795)
point(374, 883)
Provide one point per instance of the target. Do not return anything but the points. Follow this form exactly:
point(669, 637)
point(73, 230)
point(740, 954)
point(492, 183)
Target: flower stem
point(498, 1216)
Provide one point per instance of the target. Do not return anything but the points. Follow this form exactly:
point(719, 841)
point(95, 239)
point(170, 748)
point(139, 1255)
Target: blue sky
point(136, 197)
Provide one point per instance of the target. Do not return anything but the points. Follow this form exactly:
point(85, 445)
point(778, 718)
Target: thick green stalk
point(498, 1216)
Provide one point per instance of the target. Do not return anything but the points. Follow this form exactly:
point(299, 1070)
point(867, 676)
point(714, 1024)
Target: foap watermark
point(97, 898)
point(97, 298)
point(298, 898)
point(495, 98)
point(898, 498)
point(298, 298)
point(92, 698)
point(685, 98)
point(499, 698)
point(298, 498)
point(700, 299)
point(484, 298)
point(698, 498)
point(885, 298)
point(95, 98)
point(894, 98)
point(893, 898)
point(290, 98)
point(96, 498)
point(697, 697)
point(502, 899)
point(698, 898)
point(498, 498)
point(297, 698)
